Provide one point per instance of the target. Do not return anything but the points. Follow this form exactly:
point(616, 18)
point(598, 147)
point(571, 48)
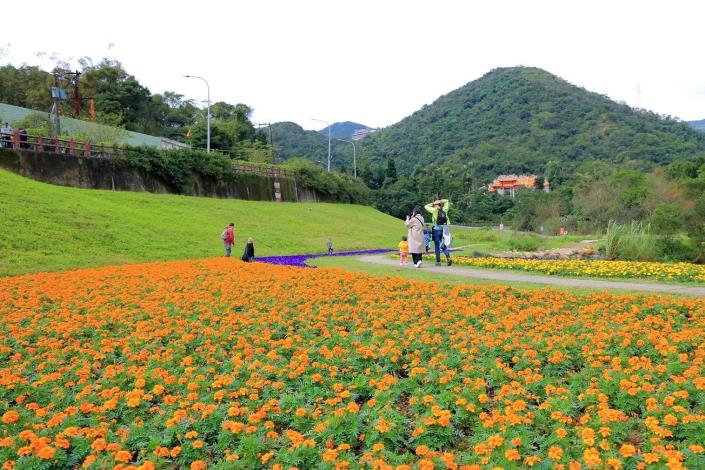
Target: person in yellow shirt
point(440, 232)
point(403, 251)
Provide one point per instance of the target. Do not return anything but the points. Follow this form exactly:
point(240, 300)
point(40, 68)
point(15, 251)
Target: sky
point(374, 62)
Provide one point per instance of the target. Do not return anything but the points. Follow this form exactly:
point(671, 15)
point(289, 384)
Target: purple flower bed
point(300, 260)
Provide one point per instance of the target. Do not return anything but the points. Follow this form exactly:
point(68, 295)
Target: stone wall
point(103, 173)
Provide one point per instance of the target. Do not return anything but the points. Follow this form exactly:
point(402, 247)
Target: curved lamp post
point(354, 156)
point(328, 124)
point(208, 116)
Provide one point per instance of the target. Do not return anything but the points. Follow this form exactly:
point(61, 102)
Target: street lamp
point(328, 124)
point(208, 116)
point(354, 157)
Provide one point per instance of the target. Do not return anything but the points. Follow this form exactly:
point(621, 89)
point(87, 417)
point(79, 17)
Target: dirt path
point(509, 277)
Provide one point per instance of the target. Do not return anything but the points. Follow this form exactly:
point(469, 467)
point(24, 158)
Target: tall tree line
point(121, 100)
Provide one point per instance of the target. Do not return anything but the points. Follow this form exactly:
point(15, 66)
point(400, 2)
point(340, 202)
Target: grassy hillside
point(45, 227)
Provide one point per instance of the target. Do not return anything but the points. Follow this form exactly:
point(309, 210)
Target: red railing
point(21, 141)
point(37, 143)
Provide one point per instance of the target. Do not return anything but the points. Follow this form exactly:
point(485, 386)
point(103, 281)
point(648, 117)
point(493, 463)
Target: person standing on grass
point(439, 213)
point(329, 246)
point(228, 237)
point(414, 223)
point(249, 254)
point(403, 251)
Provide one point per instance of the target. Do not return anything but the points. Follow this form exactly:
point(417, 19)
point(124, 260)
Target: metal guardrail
point(36, 143)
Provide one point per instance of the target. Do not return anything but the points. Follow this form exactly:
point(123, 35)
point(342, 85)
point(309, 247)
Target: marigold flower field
point(222, 364)
point(593, 268)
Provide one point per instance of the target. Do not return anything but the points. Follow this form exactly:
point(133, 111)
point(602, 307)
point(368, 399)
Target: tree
point(391, 173)
point(117, 93)
point(368, 176)
point(666, 219)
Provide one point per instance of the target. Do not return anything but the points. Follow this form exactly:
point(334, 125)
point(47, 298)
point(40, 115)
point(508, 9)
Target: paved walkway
point(509, 276)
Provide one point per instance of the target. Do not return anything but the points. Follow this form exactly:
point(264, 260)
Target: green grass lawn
point(48, 228)
point(486, 240)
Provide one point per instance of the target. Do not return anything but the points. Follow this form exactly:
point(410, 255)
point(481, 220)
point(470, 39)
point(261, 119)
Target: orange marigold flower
point(46, 452)
point(555, 453)
point(99, 445)
point(627, 450)
point(198, 465)
point(382, 425)
point(330, 455)
point(426, 464)
point(10, 417)
point(670, 420)
point(123, 456)
point(62, 443)
point(512, 454)
point(422, 450)
point(495, 441)
point(591, 456)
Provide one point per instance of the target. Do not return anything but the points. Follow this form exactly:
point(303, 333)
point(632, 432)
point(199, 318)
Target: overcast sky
point(373, 62)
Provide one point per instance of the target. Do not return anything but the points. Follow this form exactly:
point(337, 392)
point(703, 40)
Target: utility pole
point(56, 95)
point(76, 94)
point(271, 142)
point(260, 125)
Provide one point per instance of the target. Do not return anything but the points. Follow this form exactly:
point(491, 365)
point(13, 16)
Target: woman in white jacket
point(414, 223)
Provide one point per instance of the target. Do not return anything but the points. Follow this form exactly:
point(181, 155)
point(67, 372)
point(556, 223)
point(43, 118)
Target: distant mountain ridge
point(342, 130)
point(292, 140)
point(515, 120)
point(698, 125)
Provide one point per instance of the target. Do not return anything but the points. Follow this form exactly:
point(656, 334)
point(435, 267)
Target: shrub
point(630, 242)
point(333, 186)
point(523, 243)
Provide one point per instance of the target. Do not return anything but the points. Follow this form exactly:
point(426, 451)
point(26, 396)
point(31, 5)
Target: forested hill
point(517, 119)
point(698, 125)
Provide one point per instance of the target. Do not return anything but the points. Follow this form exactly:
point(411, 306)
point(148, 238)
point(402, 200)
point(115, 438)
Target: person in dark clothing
point(249, 254)
point(23, 138)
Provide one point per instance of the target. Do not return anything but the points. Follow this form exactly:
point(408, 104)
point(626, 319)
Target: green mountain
point(518, 119)
point(342, 130)
point(698, 125)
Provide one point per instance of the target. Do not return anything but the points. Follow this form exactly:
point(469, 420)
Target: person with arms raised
point(440, 232)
